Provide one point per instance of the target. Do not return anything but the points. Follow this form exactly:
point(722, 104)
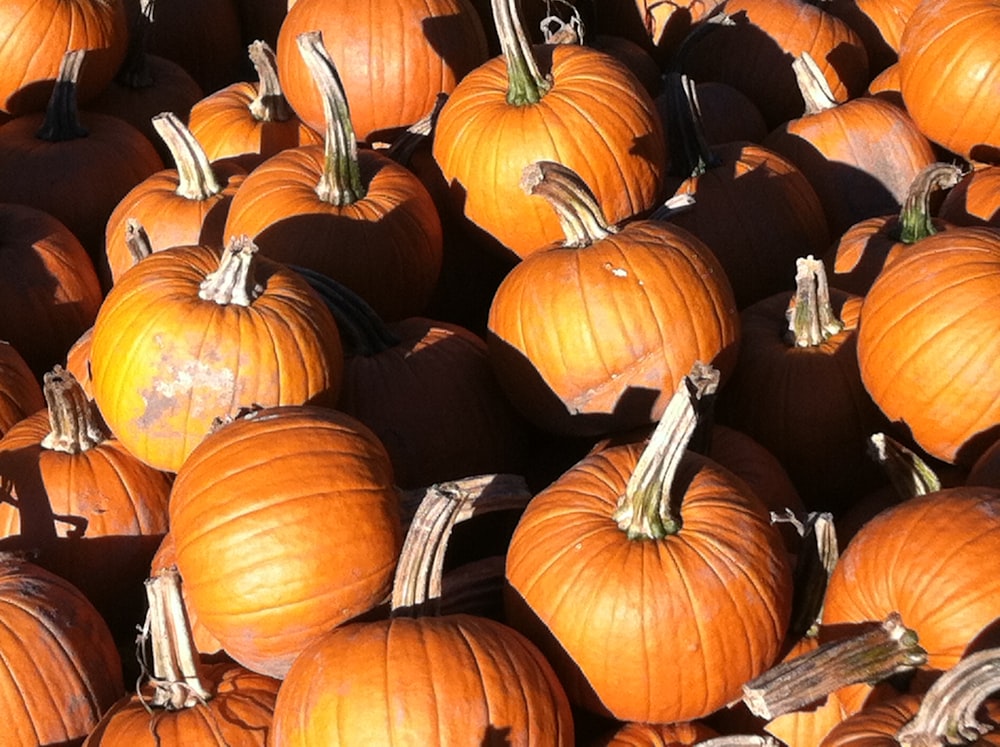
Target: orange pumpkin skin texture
point(949, 72)
point(586, 341)
point(636, 734)
point(632, 626)
point(975, 200)
point(929, 342)
point(59, 668)
point(20, 394)
point(596, 119)
point(915, 558)
point(160, 382)
point(285, 524)
point(456, 679)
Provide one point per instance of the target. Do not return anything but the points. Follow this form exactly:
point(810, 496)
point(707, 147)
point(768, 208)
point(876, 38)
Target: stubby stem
point(947, 714)
point(340, 183)
point(525, 83)
point(646, 512)
point(137, 241)
point(234, 282)
point(813, 85)
point(870, 656)
point(74, 425)
point(811, 320)
point(270, 104)
point(576, 206)
point(62, 117)
point(908, 473)
point(196, 179)
point(915, 220)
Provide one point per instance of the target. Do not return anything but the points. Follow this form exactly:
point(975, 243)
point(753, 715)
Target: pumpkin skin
point(59, 668)
point(975, 200)
point(159, 386)
point(610, 612)
point(913, 349)
point(20, 394)
point(636, 734)
point(305, 492)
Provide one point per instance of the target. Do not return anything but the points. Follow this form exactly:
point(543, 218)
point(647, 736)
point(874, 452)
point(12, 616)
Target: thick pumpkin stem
point(813, 85)
point(74, 425)
point(340, 183)
point(270, 104)
point(576, 206)
point(871, 656)
point(135, 72)
point(947, 713)
point(137, 241)
point(525, 83)
point(196, 179)
point(176, 673)
point(690, 154)
point(646, 510)
point(234, 282)
point(915, 220)
point(811, 320)
point(909, 474)
point(62, 116)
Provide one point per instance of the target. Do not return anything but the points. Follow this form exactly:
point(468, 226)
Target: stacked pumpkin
point(256, 338)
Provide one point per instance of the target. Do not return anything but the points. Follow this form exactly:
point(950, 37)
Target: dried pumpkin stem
point(137, 241)
point(908, 473)
point(690, 154)
point(646, 510)
point(915, 220)
point(62, 116)
point(402, 148)
point(576, 206)
point(196, 179)
point(340, 183)
point(947, 713)
point(74, 425)
point(871, 656)
point(270, 104)
point(234, 282)
point(813, 85)
point(814, 565)
point(811, 320)
point(525, 83)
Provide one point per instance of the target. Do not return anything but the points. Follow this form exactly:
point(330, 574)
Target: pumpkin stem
point(62, 116)
point(270, 104)
point(234, 281)
point(576, 206)
point(555, 30)
point(196, 179)
point(176, 673)
point(135, 71)
point(811, 320)
point(403, 147)
point(915, 220)
point(74, 425)
point(947, 713)
point(871, 656)
point(813, 85)
point(813, 566)
point(645, 511)
point(137, 241)
point(908, 473)
point(690, 154)
point(740, 740)
point(340, 183)
point(417, 585)
point(525, 83)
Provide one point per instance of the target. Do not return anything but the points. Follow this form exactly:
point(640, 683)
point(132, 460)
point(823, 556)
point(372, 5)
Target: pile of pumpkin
point(532, 372)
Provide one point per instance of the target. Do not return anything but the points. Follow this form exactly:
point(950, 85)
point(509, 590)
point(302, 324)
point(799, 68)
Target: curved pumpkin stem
point(579, 214)
point(62, 116)
point(690, 154)
point(813, 85)
point(646, 510)
point(270, 104)
point(525, 83)
point(196, 179)
point(340, 183)
point(908, 473)
point(811, 320)
point(915, 221)
point(74, 425)
point(234, 282)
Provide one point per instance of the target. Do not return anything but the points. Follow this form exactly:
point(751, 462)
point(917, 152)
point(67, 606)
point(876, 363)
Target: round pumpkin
point(20, 393)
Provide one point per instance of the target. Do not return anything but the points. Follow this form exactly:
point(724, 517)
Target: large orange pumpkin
point(20, 393)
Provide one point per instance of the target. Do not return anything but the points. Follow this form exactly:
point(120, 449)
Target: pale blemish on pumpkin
point(618, 272)
point(198, 384)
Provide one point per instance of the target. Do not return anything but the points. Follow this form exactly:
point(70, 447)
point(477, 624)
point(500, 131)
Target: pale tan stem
point(576, 206)
point(196, 179)
point(234, 282)
point(74, 425)
point(270, 104)
point(811, 320)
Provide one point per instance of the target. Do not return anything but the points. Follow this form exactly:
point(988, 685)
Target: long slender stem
point(526, 85)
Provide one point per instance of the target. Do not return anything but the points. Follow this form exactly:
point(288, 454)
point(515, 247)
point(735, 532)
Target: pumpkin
point(588, 113)
point(350, 213)
point(159, 385)
point(643, 567)
point(913, 342)
point(304, 492)
point(986, 469)
point(558, 320)
point(975, 200)
point(879, 23)
point(637, 734)
point(20, 393)
point(727, 114)
point(59, 668)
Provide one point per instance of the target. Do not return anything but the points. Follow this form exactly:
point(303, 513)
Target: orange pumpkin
point(20, 393)
point(975, 200)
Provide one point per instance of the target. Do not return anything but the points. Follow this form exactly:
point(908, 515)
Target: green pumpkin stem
point(340, 183)
point(915, 220)
point(270, 104)
point(234, 282)
point(176, 675)
point(196, 180)
point(137, 241)
point(62, 116)
point(74, 425)
point(811, 320)
point(813, 85)
point(947, 713)
point(579, 213)
point(525, 83)
point(690, 154)
point(909, 474)
point(871, 656)
point(646, 511)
